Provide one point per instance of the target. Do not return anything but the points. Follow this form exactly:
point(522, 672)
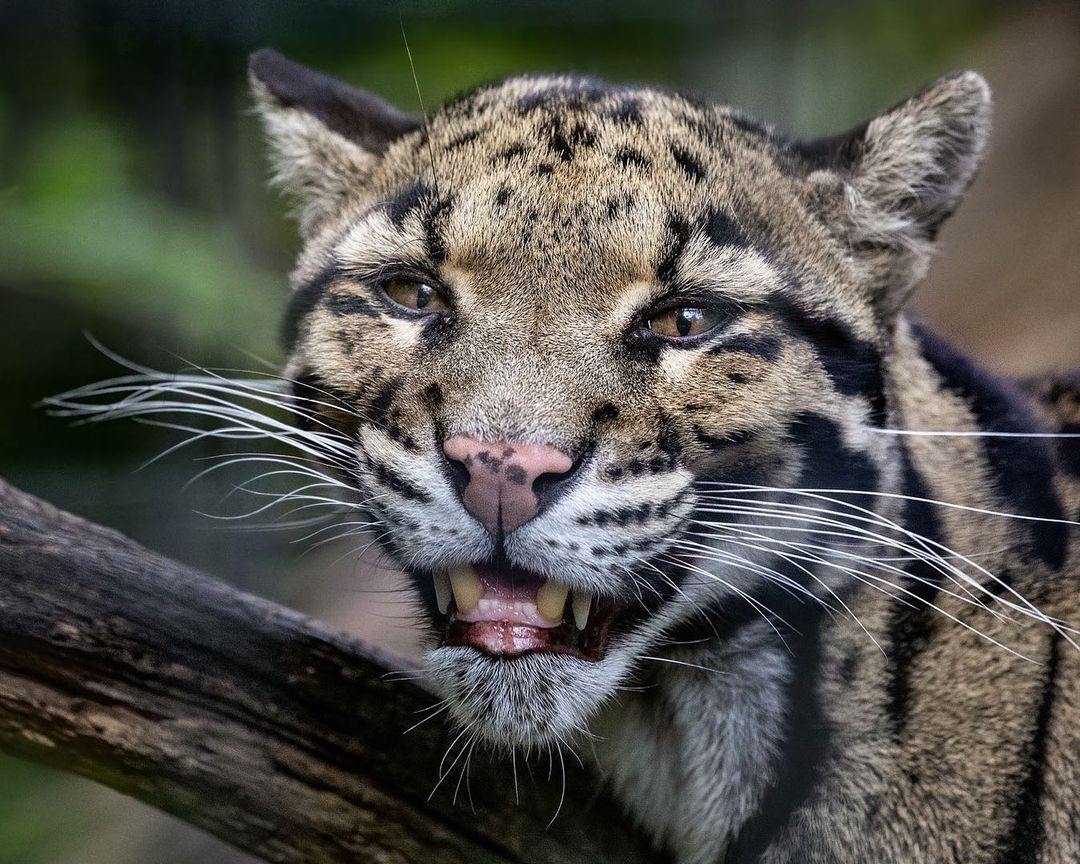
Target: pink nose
point(500, 492)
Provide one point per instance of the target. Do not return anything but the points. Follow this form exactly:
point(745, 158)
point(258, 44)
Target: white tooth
point(466, 586)
point(581, 604)
point(442, 590)
point(551, 600)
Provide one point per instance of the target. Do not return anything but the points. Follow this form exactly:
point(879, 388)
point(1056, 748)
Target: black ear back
point(362, 117)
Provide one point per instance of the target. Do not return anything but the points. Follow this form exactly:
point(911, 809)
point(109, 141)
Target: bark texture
point(250, 720)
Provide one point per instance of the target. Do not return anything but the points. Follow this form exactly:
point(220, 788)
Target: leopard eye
point(683, 322)
point(413, 294)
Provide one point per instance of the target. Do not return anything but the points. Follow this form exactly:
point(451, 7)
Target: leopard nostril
point(550, 486)
point(459, 474)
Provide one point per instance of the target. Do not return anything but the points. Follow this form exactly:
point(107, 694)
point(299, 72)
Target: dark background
point(133, 206)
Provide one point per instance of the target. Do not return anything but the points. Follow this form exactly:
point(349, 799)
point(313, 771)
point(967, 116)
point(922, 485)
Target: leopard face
point(561, 317)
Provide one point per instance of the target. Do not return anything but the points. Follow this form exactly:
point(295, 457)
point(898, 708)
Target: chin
point(524, 701)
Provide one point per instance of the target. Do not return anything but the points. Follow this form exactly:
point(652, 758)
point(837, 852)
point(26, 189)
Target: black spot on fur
point(606, 413)
point(1024, 843)
point(679, 234)
point(502, 196)
point(557, 141)
point(303, 300)
point(748, 125)
point(627, 111)
point(852, 364)
point(582, 136)
point(395, 482)
point(688, 163)
point(722, 231)
point(463, 139)
point(544, 168)
point(434, 219)
point(627, 156)
point(667, 439)
point(511, 153)
point(727, 438)
point(1024, 467)
point(913, 626)
point(737, 378)
point(533, 101)
point(379, 409)
point(434, 395)
point(401, 205)
point(828, 463)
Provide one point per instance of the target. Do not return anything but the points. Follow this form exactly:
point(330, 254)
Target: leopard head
point(558, 315)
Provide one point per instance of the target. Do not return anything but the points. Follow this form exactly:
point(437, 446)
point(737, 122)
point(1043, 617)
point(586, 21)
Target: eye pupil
point(423, 295)
point(685, 319)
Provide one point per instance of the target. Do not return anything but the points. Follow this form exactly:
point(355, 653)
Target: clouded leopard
point(624, 382)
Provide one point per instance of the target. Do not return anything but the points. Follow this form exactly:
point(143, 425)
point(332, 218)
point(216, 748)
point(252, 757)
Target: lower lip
point(509, 639)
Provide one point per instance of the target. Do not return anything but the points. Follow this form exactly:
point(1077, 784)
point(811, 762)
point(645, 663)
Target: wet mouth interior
point(506, 612)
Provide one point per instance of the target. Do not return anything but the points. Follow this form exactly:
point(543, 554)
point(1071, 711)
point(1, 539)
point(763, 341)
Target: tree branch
point(248, 719)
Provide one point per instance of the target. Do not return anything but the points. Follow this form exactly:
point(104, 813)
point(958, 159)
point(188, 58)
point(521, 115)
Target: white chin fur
point(521, 702)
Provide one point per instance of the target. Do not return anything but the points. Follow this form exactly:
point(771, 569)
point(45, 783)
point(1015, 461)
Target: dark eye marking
point(764, 345)
point(341, 305)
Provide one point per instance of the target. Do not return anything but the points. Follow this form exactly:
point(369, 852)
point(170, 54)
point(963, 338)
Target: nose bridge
point(521, 392)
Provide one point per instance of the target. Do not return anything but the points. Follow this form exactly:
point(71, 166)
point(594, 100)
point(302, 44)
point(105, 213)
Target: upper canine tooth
point(466, 586)
point(442, 590)
point(581, 604)
point(551, 600)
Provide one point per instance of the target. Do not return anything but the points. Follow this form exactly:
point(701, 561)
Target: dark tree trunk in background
point(250, 720)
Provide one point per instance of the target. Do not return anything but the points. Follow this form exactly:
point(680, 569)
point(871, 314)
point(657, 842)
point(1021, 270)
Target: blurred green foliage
point(132, 205)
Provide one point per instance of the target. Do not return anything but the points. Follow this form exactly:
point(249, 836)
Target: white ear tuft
point(326, 136)
point(902, 175)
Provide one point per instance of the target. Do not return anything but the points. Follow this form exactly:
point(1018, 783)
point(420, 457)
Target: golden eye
point(417, 295)
point(683, 321)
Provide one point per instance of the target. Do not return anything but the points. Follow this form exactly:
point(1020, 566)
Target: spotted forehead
point(586, 142)
point(569, 170)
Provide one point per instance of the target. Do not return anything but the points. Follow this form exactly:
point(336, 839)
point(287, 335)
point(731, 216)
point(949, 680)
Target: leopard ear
point(902, 175)
point(326, 135)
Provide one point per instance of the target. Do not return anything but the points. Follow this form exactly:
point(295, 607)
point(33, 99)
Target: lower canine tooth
point(466, 586)
point(551, 600)
point(581, 605)
point(442, 590)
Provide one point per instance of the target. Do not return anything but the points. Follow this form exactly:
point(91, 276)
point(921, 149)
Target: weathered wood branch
point(248, 719)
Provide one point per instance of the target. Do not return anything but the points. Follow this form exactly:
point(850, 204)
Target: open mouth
point(506, 612)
